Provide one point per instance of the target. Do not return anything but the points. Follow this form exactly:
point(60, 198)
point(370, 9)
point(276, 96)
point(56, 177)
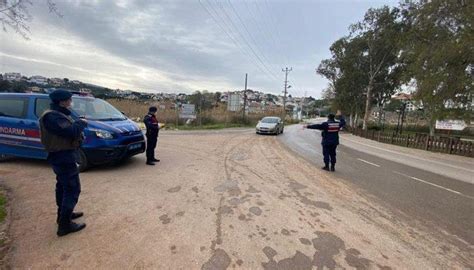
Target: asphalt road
point(414, 191)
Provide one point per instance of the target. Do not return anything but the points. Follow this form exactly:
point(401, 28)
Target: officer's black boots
point(156, 160)
point(326, 168)
point(74, 215)
point(150, 162)
point(68, 227)
point(333, 167)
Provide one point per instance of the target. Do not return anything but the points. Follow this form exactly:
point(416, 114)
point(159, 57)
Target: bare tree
point(15, 15)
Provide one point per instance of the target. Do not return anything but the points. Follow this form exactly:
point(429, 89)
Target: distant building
point(131, 97)
point(181, 97)
point(411, 105)
point(85, 90)
point(12, 76)
point(255, 107)
point(38, 80)
point(35, 89)
point(75, 82)
point(56, 81)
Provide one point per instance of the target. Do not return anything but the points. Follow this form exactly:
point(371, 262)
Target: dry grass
point(136, 110)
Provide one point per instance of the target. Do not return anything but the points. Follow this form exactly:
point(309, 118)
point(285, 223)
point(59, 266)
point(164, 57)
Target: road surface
point(221, 200)
point(403, 180)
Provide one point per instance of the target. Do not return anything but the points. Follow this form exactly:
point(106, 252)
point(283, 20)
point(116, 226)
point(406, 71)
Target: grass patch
point(3, 211)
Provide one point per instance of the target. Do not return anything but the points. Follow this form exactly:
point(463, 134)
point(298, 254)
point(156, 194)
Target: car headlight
point(103, 134)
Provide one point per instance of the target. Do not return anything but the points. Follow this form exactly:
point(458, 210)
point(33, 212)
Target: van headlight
point(103, 134)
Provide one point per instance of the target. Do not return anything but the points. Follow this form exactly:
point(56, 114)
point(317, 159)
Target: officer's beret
point(60, 95)
point(152, 109)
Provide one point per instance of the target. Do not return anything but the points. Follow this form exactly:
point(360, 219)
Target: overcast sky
point(183, 46)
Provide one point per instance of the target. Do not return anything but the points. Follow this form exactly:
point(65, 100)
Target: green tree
point(346, 72)
point(393, 105)
point(438, 49)
point(202, 100)
point(380, 30)
point(5, 86)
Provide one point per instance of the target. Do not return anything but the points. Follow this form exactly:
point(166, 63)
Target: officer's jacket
point(330, 131)
point(61, 135)
point(151, 123)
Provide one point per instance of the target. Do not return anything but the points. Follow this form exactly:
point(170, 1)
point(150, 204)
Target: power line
point(273, 23)
point(263, 33)
point(271, 32)
point(245, 40)
point(231, 37)
point(245, 28)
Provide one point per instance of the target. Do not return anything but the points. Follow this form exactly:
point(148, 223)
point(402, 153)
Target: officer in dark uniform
point(330, 139)
point(61, 137)
point(152, 130)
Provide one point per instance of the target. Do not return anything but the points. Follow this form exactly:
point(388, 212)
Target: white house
point(12, 76)
point(34, 89)
point(56, 81)
point(38, 80)
point(411, 105)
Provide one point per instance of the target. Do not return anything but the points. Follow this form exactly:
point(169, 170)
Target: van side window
point(13, 107)
point(41, 105)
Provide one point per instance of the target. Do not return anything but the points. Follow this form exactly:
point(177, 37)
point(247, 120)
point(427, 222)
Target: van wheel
point(4, 157)
point(83, 164)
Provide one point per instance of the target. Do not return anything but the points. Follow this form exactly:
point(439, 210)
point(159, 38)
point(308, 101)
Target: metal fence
point(449, 145)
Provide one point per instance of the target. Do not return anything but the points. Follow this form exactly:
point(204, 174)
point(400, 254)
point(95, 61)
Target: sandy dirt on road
point(217, 200)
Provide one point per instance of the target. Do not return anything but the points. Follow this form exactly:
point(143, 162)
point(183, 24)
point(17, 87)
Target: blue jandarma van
point(109, 137)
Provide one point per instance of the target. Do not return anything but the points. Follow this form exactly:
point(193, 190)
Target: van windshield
point(96, 109)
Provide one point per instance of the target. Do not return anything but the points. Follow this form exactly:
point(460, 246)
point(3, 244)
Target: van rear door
point(19, 134)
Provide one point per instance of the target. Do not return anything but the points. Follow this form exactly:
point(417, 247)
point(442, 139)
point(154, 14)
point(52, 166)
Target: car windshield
point(270, 120)
point(96, 109)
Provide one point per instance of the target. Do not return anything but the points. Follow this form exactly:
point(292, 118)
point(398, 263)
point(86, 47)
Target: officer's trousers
point(150, 147)
point(68, 188)
point(329, 153)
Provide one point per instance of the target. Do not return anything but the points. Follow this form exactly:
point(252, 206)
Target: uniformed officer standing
point(330, 139)
point(152, 130)
point(61, 137)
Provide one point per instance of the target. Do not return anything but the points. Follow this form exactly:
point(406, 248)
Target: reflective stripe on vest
point(333, 127)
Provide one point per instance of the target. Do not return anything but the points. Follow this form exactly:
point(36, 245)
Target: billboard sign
point(233, 103)
point(450, 124)
point(188, 111)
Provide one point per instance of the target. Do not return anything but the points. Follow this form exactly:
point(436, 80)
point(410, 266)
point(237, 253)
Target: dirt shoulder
point(216, 200)
point(4, 227)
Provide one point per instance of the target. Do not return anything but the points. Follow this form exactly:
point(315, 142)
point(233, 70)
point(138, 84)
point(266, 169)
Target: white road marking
point(434, 185)
point(410, 156)
point(373, 164)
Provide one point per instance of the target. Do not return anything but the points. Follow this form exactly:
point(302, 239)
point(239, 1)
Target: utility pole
point(245, 98)
point(303, 104)
point(286, 70)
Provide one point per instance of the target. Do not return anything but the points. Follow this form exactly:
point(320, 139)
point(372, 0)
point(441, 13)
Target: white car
point(270, 125)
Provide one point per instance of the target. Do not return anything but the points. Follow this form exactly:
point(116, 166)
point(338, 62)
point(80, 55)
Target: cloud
point(176, 46)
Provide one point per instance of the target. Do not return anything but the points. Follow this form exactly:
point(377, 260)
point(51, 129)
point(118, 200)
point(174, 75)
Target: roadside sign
point(450, 124)
point(233, 103)
point(188, 111)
